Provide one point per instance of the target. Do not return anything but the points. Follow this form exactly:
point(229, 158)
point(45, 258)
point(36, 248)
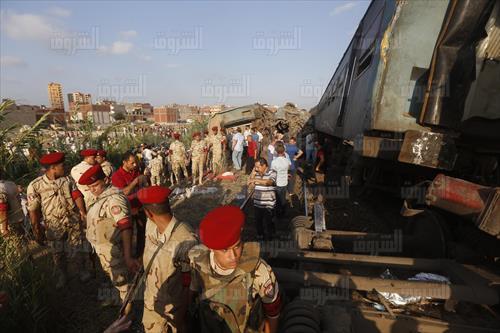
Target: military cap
point(92, 175)
point(88, 152)
point(101, 152)
point(221, 227)
point(153, 195)
point(52, 158)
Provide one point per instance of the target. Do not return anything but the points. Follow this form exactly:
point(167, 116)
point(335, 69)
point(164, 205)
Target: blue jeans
point(237, 159)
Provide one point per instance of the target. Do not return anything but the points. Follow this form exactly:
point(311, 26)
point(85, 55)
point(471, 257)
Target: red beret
point(101, 152)
point(176, 135)
point(221, 227)
point(196, 134)
point(215, 128)
point(92, 175)
point(52, 158)
point(153, 194)
point(88, 152)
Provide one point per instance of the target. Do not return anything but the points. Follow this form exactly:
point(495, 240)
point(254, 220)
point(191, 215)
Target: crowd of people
point(123, 217)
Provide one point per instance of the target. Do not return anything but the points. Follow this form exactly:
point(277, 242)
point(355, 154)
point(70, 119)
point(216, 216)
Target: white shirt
point(239, 141)
point(246, 133)
point(281, 165)
point(260, 136)
point(309, 141)
point(147, 154)
point(271, 149)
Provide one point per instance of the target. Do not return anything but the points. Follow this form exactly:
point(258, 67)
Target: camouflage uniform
point(197, 159)
point(178, 159)
point(107, 168)
point(11, 205)
point(156, 168)
point(60, 217)
point(163, 294)
point(106, 216)
point(76, 172)
point(232, 302)
point(216, 142)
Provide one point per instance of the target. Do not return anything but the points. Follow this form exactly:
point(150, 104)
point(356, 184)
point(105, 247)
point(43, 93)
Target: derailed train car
point(418, 90)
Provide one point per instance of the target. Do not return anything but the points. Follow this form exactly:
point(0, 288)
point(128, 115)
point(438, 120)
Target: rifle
point(247, 199)
point(139, 279)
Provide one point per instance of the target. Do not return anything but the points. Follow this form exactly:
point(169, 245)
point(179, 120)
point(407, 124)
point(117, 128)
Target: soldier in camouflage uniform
point(109, 230)
point(156, 169)
point(11, 213)
point(238, 290)
point(106, 166)
point(167, 283)
point(178, 158)
point(198, 151)
point(56, 198)
point(208, 154)
point(216, 142)
point(88, 160)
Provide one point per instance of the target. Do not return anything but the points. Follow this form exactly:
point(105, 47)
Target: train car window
point(365, 60)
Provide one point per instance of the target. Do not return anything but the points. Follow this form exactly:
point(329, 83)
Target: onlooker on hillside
point(237, 149)
point(310, 148)
point(252, 154)
point(264, 198)
point(281, 164)
point(294, 152)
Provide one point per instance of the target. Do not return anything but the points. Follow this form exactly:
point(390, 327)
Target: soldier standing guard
point(56, 198)
point(178, 157)
point(106, 166)
point(156, 169)
point(238, 290)
point(109, 228)
point(216, 144)
point(89, 159)
point(168, 278)
point(198, 151)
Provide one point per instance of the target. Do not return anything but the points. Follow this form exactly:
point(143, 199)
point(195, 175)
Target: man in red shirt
point(129, 180)
point(252, 154)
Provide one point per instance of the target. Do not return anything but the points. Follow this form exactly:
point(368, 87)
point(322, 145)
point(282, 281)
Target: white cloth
point(281, 165)
point(238, 137)
point(260, 136)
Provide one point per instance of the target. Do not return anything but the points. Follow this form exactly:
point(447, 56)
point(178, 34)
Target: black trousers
point(249, 166)
point(264, 222)
point(280, 200)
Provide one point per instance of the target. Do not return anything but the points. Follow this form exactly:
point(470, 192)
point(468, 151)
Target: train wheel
point(429, 235)
point(300, 316)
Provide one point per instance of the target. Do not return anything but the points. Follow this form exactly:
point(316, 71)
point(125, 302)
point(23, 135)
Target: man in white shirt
point(281, 164)
point(147, 155)
point(310, 148)
point(237, 148)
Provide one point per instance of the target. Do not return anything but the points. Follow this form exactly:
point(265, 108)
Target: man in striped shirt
point(264, 198)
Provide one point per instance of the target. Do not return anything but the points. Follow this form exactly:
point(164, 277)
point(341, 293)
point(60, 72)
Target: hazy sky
point(193, 52)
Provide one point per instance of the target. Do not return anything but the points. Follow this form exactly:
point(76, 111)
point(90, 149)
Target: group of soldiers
point(95, 209)
point(205, 153)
